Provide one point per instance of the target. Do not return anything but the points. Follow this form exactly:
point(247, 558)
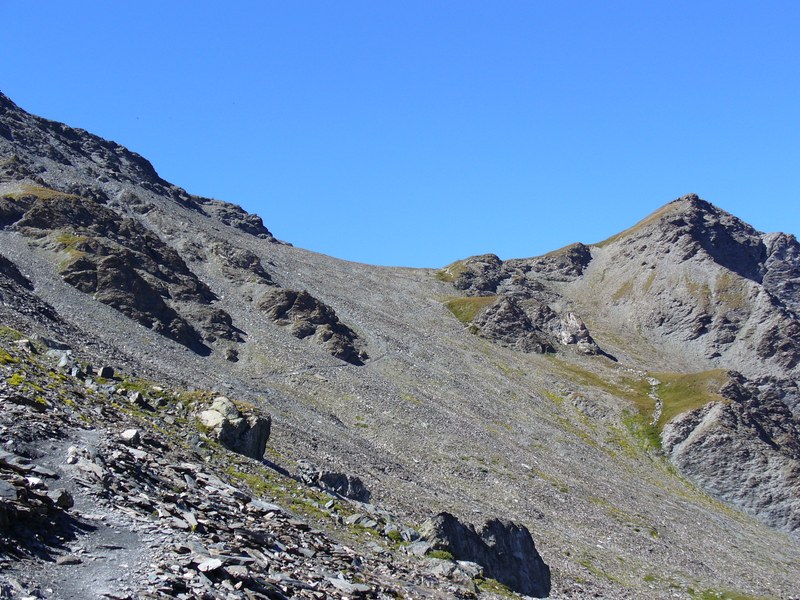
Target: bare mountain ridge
point(689, 273)
point(430, 416)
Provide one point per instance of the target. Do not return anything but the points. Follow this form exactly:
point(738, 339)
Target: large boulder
point(504, 549)
point(245, 434)
point(347, 486)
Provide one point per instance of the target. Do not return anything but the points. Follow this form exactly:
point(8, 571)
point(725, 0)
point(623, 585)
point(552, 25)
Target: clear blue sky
point(417, 133)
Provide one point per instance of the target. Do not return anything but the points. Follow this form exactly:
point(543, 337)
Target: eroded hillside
point(575, 394)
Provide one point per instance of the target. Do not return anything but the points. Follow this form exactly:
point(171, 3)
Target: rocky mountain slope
point(630, 406)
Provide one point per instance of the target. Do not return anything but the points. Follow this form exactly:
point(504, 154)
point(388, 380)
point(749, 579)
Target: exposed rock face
point(235, 216)
point(9, 270)
point(307, 317)
point(342, 484)
point(239, 264)
point(562, 265)
point(507, 323)
point(245, 434)
point(122, 264)
point(505, 550)
point(523, 317)
point(695, 277)
point(745, 451)
point(532, 326)
point(478, 275)
point(782, 269)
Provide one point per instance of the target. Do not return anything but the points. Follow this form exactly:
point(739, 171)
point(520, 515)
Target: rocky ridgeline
point(693, 275)
point(114, 488)
point(521, 311)
point(54, 155)
point(86, 199)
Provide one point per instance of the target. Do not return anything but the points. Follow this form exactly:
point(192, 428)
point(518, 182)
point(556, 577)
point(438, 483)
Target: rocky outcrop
point(246, 434)
point(522, 316)
point(782, 269)
point(477, 275)
point(561, 265)
point(745, 451)
point(532, 326)
point(235, 216)
point(505, 550)
point(341, 484)
point(239, 264)
point(122, 264)
point(9, 270)
point(309, 318)
point(506, 323)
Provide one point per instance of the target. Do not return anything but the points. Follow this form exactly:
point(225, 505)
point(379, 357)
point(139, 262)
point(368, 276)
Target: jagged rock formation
point(746, 450)
point(307, 317)
point(526, 315)
point(693, 275)
point(341, 484)
point(507, 323)
point(121, 264)
point(505, 550)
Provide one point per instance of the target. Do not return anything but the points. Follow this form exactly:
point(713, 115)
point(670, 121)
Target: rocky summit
point(195, 409)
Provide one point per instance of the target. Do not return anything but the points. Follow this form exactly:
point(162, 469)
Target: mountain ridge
point(446, 415)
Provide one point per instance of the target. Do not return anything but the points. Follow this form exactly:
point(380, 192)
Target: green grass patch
point(492, 586)
point(395, 535)
point(729, 289)
point(7, 333)
point(42, 193)
point(440, 554)
point(624, 291)
point(647, 433)
point(73, 245)
point(466, 309)
point(554, 398)
point(17, 379)
point(649, 282)
point(451, 272)
point(6, 358)
point(411, 398)
point(630, 388)
point(682, 393)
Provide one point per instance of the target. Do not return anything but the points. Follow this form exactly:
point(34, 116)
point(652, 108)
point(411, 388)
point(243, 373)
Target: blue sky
point(417, 133)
